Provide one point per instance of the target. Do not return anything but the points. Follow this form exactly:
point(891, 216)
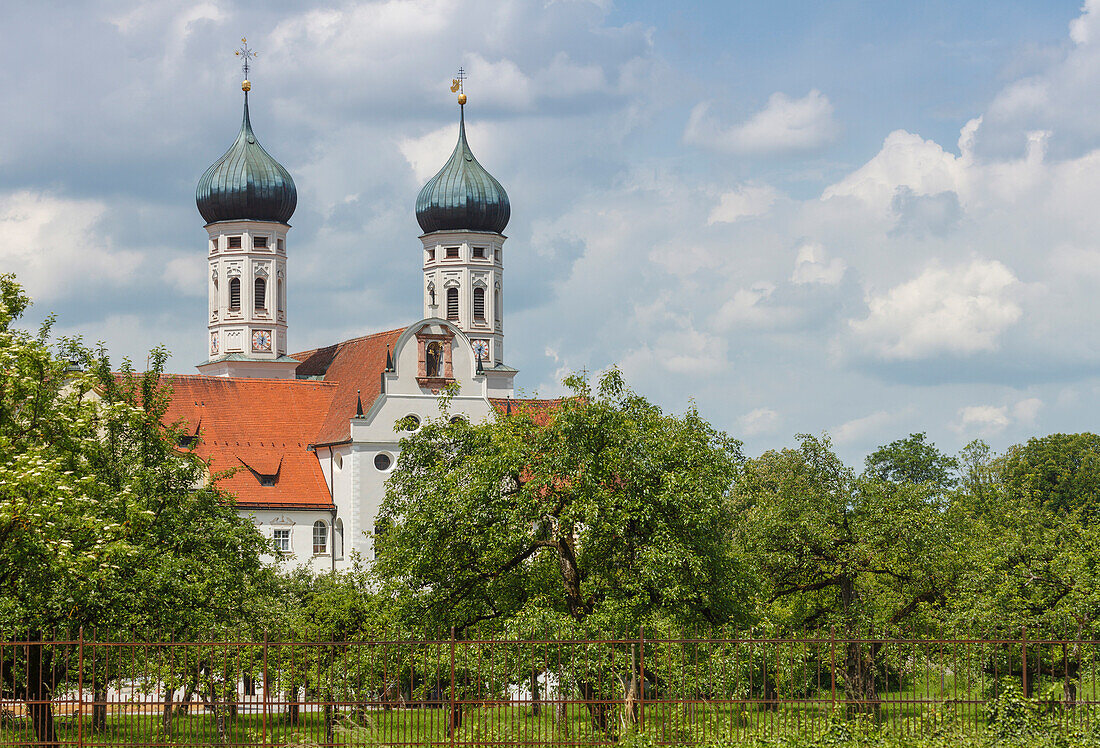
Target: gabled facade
point(310, 435)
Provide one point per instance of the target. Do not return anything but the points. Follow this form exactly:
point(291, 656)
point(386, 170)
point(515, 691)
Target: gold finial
point(456, 85)
point(247, 54)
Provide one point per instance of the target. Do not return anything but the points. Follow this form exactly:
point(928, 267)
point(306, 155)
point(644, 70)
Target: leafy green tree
point(913, 460)
point(842, 552)
point(598, 515)
point(105, 521)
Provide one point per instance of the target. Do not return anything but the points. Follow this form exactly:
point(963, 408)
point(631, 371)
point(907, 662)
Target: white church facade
point(310, 435)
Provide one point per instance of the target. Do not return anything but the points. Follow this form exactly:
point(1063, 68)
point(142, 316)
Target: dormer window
point(452, 253)
point(234, 242)
point(234, 294)
point(259, 242)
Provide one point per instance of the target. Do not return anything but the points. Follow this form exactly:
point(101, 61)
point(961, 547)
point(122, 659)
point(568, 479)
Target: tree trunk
point(597, 710)
point(40, 692)
point(166, 711)
point(535, 706)
point(99, 710)
point(292, 707)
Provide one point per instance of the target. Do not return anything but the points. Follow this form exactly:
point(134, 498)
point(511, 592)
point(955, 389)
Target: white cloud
point(759, 421)
point(864, 427)
point(981, 419)
point(812, 266)
point(784, 125)
point(743, 202)
point(56, 246)
point(1027, 410)
point(908, 160)
point(944, 310)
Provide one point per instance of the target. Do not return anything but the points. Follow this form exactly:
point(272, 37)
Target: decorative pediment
point(480, 283)
point(233, 270)
point(451, 283)
point(261, 269)
point(282, 519)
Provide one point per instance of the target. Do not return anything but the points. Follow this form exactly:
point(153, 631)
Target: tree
point(104, 520)
point(913, 460)
point(598, 515)
point(839, 551)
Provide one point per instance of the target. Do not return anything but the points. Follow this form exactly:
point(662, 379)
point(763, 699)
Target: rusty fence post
point(1023, 658)
point(641, 679)
point(265, 690)
point(453, 714)
point(832, 665)
point(80, 690)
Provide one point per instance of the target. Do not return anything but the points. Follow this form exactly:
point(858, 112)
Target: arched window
point(452, 304)
point(260, 297)
point(234, 294)
point(496, 304)
point(320, 537)
point(280, 294)
point(338, 541)
point(479, 304)
point(433, 360)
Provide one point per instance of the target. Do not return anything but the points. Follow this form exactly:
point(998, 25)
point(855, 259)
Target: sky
point(860, 218)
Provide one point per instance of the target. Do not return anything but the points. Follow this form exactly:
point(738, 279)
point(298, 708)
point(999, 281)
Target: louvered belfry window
point(234, 294)
point(260, 297)
point(479, 304)
point(452, 304)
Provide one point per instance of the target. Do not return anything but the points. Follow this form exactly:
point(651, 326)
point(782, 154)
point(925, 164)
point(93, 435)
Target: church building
point(310, 435)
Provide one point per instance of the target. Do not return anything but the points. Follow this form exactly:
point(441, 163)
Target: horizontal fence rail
point(497, 692)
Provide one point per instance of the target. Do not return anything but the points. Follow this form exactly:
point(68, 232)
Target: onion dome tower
point(247, 198)
point(463, 211)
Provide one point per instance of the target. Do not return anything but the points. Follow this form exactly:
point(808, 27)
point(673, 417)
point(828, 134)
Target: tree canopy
point(603, 513)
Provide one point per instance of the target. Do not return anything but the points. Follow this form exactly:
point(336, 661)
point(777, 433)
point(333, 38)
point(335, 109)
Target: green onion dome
point(246, 183)
point(463, 196)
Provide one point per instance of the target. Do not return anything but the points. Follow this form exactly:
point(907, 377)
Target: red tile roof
point(540, 410)
point(354, 366)
point(263, 425)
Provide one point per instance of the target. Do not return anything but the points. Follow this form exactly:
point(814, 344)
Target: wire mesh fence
point(86, 691)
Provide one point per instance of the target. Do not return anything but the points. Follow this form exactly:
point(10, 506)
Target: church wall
point(299, 523)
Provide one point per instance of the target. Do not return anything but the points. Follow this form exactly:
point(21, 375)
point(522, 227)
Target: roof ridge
point(351, 340)
point(208, 378)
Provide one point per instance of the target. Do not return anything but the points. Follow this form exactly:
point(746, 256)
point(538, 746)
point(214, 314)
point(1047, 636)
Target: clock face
point(213, 342)
point(261, 341)
point(481, 349)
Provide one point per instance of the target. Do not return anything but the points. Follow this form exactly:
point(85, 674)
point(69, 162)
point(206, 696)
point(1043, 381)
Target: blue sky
point(853, 217)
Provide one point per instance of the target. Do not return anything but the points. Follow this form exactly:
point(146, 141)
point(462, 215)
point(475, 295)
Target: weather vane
point(246, 54)
point(456, 86)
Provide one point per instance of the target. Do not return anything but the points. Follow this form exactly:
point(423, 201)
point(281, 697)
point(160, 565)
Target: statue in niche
point(433, 359)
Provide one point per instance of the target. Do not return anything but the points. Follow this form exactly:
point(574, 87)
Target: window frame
point(234, 282)
point(286, 535)
point(323, 545)
point(259, 294)
point(452, 304)
point(479, 296)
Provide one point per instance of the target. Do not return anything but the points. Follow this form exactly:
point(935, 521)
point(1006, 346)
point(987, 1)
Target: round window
point(382, 461)
point(412, 423)
point(458, 419)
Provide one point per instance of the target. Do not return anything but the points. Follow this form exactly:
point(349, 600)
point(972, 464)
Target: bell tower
point(247, 198)
point(463, 211)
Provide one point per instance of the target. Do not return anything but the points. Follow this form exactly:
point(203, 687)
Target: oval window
point(382, 461)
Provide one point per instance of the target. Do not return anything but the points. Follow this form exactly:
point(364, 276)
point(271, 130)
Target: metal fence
point(490, 692)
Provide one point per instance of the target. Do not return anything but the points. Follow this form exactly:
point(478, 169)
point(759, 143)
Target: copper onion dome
point(246, 183)
point(463, 196)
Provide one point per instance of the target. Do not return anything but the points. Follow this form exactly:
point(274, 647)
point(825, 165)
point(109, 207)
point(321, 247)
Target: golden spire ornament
point(247, 54)
point(456, 85)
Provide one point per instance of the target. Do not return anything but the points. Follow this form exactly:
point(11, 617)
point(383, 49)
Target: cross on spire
point(246, 54)
point(456, 82)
